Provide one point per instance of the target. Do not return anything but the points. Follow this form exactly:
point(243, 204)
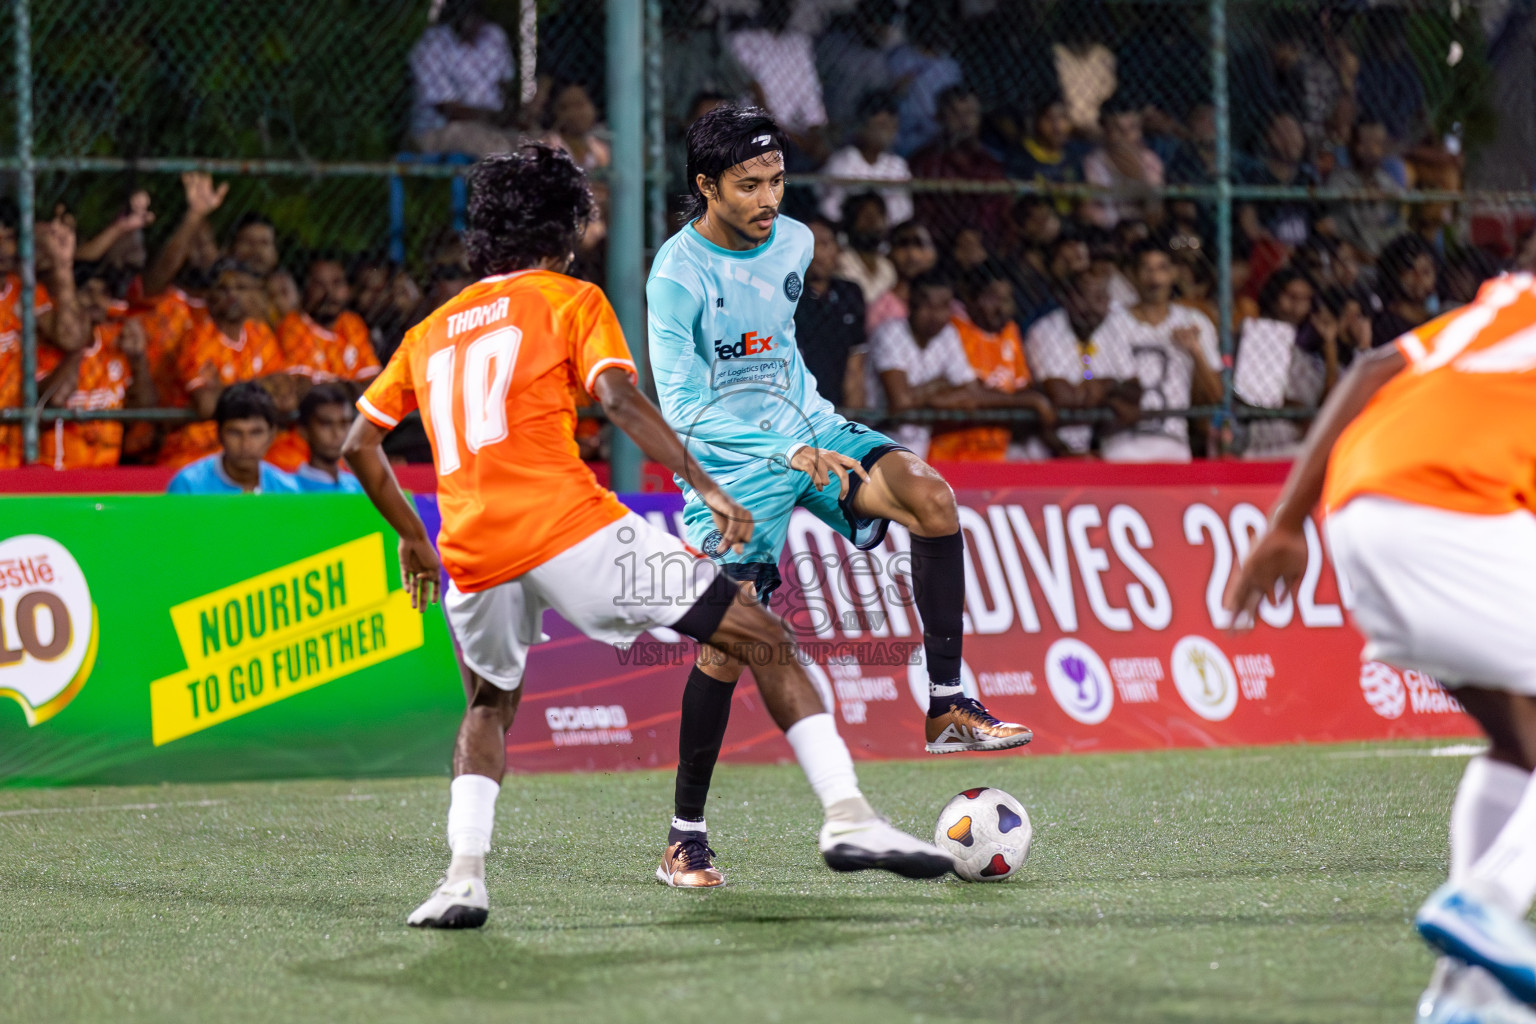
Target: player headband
point(748, 147)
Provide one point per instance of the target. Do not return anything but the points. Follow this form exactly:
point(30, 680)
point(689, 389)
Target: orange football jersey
point(998, 360)
point(11, 447)
point(101, 383)
point(492, 372)
point(343, 351)
point(255, 354)
point(168, 319)
point(1456, 429)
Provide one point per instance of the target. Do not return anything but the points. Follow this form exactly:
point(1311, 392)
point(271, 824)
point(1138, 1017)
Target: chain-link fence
point(1317, 175)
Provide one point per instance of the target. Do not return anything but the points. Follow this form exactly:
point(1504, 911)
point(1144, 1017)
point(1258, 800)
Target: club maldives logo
point(1391, 692)
point(1079, 681)
point(48, 626)
point(1205, 678)
point(1383, 689)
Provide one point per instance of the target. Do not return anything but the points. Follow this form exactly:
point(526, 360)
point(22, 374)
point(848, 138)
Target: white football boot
point(461, 904)
point(1459, 993)
point(864, 845)
point(1462, 922)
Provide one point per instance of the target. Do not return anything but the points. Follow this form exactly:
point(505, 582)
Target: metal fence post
point(26, 199)
point(1223, 205)
point(626, 216)
point(655, 129)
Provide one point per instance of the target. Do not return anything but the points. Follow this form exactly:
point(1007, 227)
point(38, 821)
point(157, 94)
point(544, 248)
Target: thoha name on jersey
point(478, 316)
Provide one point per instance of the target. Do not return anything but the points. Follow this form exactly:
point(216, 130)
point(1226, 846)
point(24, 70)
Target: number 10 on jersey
point(486, 378)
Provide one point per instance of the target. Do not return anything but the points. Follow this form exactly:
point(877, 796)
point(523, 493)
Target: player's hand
point(1279, 557)
point(202, 197)
point(731, 518)
point(420, 572)
point(822, 463)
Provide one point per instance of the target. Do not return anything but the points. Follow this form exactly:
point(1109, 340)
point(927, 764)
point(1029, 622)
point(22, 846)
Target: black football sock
point(938, 589)
point(706, 710)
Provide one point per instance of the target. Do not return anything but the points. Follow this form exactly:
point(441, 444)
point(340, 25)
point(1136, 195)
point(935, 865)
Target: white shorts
point(614, 585)
point(1447, 593)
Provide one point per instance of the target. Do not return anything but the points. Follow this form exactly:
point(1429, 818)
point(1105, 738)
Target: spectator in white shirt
point(871, 156)
point(782, 62)
point(1078, 365)
point(864, 262)
point(460, 69)
point(1125, 163)
point(921, 361)
point(1176, 357)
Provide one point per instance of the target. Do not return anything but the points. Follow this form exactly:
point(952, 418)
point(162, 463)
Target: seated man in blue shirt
point(247, 421)
point(325, 416)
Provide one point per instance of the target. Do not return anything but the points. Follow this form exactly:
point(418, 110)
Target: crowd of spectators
point(1111, 306)
point(264, 349)
point(1090, 313)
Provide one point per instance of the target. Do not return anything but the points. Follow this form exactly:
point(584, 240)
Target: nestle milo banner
point(146, 638)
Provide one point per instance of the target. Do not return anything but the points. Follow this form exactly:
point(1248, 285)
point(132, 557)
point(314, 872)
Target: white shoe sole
point(981, 746)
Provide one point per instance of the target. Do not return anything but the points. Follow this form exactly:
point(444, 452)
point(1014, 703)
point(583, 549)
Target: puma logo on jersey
point(478, 316)
point(749, 345)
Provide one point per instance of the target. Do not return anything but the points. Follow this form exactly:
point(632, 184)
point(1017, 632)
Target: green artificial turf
point(1231, 886)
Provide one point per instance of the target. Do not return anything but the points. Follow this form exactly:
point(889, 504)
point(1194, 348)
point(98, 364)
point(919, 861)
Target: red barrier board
point(1092, 615)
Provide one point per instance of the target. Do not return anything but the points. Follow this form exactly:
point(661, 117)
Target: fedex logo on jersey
point(749, 345)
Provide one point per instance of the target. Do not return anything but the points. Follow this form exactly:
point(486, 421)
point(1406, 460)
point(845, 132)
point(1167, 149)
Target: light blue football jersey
point(207, 476)
point(313, 481)
point(722, 342)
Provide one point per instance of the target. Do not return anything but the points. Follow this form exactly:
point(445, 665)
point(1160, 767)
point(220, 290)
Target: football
point(987, 832)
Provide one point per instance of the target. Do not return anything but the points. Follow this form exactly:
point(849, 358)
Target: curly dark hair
point(524, 207)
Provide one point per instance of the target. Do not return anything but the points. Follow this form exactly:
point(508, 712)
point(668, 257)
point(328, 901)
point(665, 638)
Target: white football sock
point(1489, 793)
point(824, 758)
point(684, 825)
point(471, 816)
point(1507, 872)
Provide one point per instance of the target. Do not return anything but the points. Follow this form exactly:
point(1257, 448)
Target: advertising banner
point(148, 638)
point(1092, 615)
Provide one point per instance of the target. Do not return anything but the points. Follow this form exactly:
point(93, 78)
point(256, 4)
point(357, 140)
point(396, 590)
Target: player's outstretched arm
point(1281, 555)
point(420, 571)
point(633, 413)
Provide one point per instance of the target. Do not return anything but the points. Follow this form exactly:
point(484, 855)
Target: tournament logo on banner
point(1079, 681)
point(1205, 678)
point(48, 626)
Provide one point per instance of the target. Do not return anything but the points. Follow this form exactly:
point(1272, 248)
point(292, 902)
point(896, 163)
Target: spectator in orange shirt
point(282, 297)
point(325, 340)
point(58, 318)
point(995, 349)
point(113, 373)
point(229, 347)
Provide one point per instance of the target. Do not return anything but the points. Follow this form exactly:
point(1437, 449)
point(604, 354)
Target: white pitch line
point(1455, 750)
point(112, 807)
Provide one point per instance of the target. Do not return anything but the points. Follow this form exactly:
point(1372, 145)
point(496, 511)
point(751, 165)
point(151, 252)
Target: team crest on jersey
point(711, 545)
point(792, 286)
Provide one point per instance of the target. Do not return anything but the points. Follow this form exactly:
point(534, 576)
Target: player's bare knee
point(491, 704)
point(932, 504)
